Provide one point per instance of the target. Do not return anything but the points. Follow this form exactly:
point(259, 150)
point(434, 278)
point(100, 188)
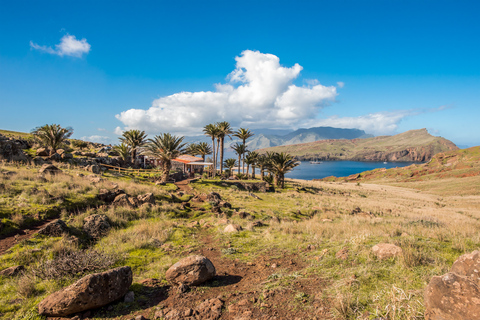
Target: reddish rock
point(452, 297)
point(342, 254)
point(468, 265)
point(192, 270)
point(232, 228)
point(92, 291)
point(386, 250)
point(12, 271)
point(50, 169)
point(146, 198)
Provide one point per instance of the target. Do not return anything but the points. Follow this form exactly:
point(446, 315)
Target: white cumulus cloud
point(97, 138)
point(68, 46)
point(258, 93)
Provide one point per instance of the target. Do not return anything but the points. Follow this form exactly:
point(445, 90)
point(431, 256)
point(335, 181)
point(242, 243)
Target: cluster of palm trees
point(167, 147)
point(274, 163)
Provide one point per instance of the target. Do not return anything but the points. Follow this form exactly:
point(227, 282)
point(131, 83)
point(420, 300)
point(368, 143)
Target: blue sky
point(106, 66)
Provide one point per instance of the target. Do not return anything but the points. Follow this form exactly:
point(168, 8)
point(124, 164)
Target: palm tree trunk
point(214, 160)
point(166, 170)
point(239, 161)
point(221, 154)
point(248, 169)
point(244, 158)
point(275, 180)
point(216, 156)
point(262, 173)
point(253, 171)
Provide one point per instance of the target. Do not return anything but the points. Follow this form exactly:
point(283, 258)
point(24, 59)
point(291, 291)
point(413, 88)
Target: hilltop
point(413, 145)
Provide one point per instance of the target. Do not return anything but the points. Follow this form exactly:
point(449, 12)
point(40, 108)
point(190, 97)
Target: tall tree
point(230, 163)
point(211, 130)
point(166, 147)
point(251, 159)
point(224, 130)
point(52, 136)
point(282, 163)
point(243, 134)
point(134, 139)
point(262, 163)
point(239, 150)
point(192, 149)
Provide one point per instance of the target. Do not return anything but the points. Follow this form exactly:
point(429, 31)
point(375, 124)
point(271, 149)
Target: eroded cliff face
point(411, 154)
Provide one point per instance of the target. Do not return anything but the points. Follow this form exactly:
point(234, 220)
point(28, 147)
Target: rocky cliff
point(414, 145)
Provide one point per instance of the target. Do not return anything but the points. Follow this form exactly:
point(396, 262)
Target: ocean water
point(308, 171)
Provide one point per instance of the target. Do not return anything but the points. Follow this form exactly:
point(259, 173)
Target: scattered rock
point(55, 228)
point(225, 204)
point(12, 271)
point(92, 291)
point(342, 254)
point(192, 270)
point(327, 220)
point(243, 214)
point(129, 297)
point(96, 225)
point(210, 309)
point(214, 197)
point(50, 169)
point(146, 198)
point(468, 265)
point(182, 288)
point(386, 250)
point(125, 200)
point(253, 195)
point(109, 196)
point(233, 228)
point(43, 152)
point(140, 317)
point(311, 247)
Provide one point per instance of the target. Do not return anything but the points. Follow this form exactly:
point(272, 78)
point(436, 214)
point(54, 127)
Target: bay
point(308, 171)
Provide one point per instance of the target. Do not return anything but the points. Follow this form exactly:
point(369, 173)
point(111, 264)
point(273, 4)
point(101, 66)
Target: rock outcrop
point(55, 228)
point(96, 225)
point(12, 271)
point(192, 270)
point(92, 291)
point(49, 169)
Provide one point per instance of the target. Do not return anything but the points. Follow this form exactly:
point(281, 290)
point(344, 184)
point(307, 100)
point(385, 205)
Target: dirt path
point(11, 240)
point(184, 185)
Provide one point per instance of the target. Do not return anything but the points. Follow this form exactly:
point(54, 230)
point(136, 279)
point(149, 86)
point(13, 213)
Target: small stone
point(182, 288)
point(129, 297)
point(342, 254)
point(232, 228)
point(12, 271)
point(188, 312)
point(386, 250)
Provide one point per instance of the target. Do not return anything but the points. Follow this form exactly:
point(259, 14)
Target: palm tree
point(192, 149)
point(52, 136)
point(211, 130)
point(230, 163)
point(166, 147)
point(262, 163)
point(251, 159)
point(282, 163)
point(203, 149)
point(123, 151)
point(239, 149)
point(243, 134)
point(224, 130)
point(134, 139)
point(269, 159)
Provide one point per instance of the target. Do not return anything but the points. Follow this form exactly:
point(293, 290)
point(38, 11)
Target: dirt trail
point(6, 242)
point(184, 185)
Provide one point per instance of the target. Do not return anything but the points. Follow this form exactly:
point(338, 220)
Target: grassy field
point(302, 228)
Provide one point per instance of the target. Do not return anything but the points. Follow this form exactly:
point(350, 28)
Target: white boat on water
point(385, 162)
point(315, 162)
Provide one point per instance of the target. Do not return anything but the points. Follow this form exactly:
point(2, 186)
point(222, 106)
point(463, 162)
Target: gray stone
point(191, 271)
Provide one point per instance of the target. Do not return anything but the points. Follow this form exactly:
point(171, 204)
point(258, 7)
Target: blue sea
point(308, 171)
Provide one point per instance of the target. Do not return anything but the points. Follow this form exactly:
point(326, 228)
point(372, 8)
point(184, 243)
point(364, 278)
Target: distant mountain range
point(265, 138)
point(413, 145)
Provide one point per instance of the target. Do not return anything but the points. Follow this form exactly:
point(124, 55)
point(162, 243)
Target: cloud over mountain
point(258, 93)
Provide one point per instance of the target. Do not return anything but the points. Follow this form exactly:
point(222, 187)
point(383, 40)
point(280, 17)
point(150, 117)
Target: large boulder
point(96, 225)
point(55, 228)
point(455, 295)
point(109, 195)
point(214, 197)
point(452, 297)
point(50, 169)
point(92, 291)
point(192, 270)
point(386, 250)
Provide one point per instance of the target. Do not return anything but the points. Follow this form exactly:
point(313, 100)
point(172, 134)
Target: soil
point(241, 290)
point(6, 242)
